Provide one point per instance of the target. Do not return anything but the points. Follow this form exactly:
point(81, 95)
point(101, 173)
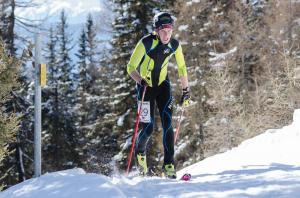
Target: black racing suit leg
point(164, 102)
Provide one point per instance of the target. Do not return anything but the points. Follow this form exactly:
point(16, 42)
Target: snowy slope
point(265, 166)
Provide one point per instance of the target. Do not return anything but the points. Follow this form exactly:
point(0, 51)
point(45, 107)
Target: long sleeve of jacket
point(136, 57)
point(180, 62)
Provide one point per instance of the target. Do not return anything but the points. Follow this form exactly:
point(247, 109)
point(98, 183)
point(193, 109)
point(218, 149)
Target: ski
point(186, 177)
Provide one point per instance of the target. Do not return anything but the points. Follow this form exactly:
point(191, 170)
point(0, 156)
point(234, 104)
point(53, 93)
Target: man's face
point(165, 35)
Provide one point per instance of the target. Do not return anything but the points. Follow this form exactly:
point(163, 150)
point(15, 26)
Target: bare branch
point(27, 157)
point(26, 4)
point(6, 173)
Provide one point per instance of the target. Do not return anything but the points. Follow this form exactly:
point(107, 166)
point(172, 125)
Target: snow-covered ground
point(265, 166)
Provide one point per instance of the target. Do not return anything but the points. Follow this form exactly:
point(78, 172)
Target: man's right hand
point(138, 78)
point(144, 83)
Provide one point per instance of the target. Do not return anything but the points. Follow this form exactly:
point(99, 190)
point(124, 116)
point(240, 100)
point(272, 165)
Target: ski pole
point(178, 125)
point(135, 131)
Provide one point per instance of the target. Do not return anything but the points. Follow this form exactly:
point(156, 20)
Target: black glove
point(144, 83)
point(185, 98)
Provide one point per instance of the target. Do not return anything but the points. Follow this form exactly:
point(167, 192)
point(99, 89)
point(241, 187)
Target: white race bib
point(145, 112)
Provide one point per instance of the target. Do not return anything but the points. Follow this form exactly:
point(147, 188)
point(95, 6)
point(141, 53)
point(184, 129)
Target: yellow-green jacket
point(151, 57)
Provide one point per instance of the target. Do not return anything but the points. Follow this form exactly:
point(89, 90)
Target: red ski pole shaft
point(135, 132)
point(178, 125)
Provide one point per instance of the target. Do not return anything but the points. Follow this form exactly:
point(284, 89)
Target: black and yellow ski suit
point(150, 58)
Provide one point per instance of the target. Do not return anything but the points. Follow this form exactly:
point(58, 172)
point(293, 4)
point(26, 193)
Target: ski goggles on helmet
point(164, 21)
point(163, 26)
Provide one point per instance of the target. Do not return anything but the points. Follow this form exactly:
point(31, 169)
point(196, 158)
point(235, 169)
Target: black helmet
point(162, 19)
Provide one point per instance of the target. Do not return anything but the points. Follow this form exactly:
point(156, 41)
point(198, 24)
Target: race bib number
point(145, 112)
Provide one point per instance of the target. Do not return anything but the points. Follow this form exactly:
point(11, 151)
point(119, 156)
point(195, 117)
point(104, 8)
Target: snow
point(207, 24)
point(218, 58)
point(193, 83)
point(120, 121)
point(265, 166)
point(181, 147)
point(220, 14)
point(195, 44)
point(184, 42)
point(70, 183)
point(189, 3)
point(298, 21)
point(183, 28)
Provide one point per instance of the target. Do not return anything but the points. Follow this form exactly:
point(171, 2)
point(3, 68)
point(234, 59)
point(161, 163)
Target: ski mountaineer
point(148, 66)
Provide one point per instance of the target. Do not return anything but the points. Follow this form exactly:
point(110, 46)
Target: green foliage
point(8, 123)
point(8, 67)
point(59, 137)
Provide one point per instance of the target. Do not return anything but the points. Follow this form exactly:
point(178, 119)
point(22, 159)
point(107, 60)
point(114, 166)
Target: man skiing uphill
point(148, 67)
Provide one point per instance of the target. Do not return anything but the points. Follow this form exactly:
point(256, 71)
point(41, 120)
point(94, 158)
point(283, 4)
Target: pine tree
point(82, 62)
point(51, 58)
point(7, 23)
point(92, 47)
point(93, 66)
point(84, 80)
point(92, 97)
point(64, 48)
point(14, 165)
point(8, 122)
point(52, 111)
point(59, 112)
point(91, 101)
point(82, 107)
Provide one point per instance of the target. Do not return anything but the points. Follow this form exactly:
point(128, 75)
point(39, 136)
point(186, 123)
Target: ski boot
point(169, 171)
point(142, 164)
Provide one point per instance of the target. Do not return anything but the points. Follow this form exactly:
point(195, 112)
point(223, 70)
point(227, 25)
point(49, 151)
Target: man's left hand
point(185, 98)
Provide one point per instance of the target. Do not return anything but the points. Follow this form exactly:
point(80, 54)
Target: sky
point(49, 9)
point(265, 166)
point(47, 14)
